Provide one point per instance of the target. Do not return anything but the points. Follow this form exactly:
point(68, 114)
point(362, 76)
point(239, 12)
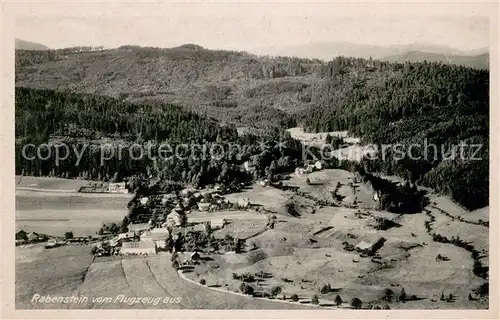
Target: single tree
point(356, 303)
point(68, 235)
point(338, 300)
point(402, 295)
point(295, 297)
point(315, 299)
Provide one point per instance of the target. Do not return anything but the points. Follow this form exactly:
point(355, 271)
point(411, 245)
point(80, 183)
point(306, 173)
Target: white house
point(203, 206)
point(32, 237)
point(138, 247)
point(243, 203)
point(118, 187)
point(217, 223)
point(173, 219)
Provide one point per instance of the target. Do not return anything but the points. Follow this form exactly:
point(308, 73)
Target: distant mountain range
point(26, 45)
point(481, 61)
point(415, 52)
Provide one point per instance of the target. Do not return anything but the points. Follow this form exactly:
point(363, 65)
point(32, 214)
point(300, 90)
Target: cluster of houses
point(118, 188)
point(310, 167)
point(22, 237)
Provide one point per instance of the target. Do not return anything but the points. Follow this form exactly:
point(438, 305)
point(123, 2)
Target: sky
point(249, 26)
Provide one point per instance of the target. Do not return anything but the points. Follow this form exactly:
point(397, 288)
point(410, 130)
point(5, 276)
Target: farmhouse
point(370, 247)
point(117, 187)
point(173, 219)
point(138, 247)
point(217, 223)
point(243, 203)
point(138, 228)
point(203, 206)
point(21, 235)
point(32, 237)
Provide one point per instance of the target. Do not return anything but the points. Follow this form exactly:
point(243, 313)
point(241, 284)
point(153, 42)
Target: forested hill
point(380, 101)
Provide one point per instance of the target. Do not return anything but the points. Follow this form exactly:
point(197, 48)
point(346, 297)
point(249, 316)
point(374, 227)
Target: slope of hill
point(380, 101)
point(26, 45)
point(481, 61)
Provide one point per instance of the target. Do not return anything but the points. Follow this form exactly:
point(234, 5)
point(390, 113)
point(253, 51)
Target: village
point(316, 237)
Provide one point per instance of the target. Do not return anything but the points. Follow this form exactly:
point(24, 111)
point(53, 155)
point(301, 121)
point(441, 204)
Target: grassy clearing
point(55, 214)
point(270, 198)
point(53, 272)
point(50, 183)
point(308, 253)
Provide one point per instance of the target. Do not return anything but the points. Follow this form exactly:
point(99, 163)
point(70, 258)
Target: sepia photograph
point(265, 155)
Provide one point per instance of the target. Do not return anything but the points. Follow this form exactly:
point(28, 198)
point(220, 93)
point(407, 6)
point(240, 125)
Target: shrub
point(326, 288)
point(68, 235)
point(386, 307)
point(203, 282)
point(402, 295)
point(247, 277)
point(356, 303)
point(246, 288)
point(338, 300)
point(377, 308)
point(275, 290)
point(315, 300)
point(175, 265)
point(388, 295)
point(295, 297)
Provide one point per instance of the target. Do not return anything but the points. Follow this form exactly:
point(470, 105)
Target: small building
point(195, 256)
point(21, 235)
point(186, 193)
point(248, 166)
point(217, 223)
point(243, 203)
point(124, 235)
point(118, 187)
point(173, 219)
point(370, 247)
point(319, 165)
point(170, 197)
point(144, 200)
point(32, 237)
point(203, 206)
point(142, 247)
point(138, 228)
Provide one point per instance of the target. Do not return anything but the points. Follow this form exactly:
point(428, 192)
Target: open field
point(319, 137)
point(49, 272)
point(55, 213)
point(324, 182)
point(300, 255)
point(308, 253)
point(59, 184)
point(270, 198)
point(153, 277)
point(446, 204)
